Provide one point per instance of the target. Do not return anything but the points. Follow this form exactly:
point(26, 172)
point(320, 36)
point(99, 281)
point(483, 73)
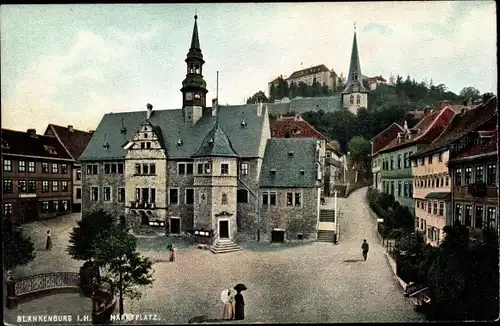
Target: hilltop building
point(202, 168)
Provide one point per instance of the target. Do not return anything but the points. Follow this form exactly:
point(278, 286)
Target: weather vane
point(354, 26)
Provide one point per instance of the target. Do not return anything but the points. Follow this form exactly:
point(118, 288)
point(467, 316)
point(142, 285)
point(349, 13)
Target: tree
point(486, 96)
point(90, 230)
point(360, 150)
point(124, 269)
point(18, 249)
point(469, 93)
point(258, 97)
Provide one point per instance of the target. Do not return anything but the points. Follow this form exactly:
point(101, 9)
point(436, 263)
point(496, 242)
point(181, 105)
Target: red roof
point(293, 127)
point(74, 141)
point(462, 124)
point(383, 138)
point(428, 129)
point(474, 150)
point(22, 143)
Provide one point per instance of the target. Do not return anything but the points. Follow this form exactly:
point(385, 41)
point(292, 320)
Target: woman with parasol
point(227, 298)
point(239, 303)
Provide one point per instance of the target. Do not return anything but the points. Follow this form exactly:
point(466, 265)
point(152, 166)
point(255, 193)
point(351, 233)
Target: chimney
point(215, 105)
point(32, 132)
point(297, 116)
point(259, 108)
point(150, 111)
point(70, 128)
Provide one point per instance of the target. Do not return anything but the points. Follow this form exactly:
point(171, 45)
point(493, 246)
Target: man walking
point(365, 248)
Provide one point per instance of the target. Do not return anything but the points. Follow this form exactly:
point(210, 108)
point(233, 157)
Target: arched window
point(355, 76)
point(197, 69)
point(358, 99)
point(351, 99)
point(242, 196)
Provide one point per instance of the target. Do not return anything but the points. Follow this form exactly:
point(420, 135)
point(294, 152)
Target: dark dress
point(239, 307)
point(48, 244)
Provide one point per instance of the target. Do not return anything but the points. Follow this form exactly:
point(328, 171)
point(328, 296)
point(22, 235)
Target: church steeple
point(355, 77)
point(194, 87)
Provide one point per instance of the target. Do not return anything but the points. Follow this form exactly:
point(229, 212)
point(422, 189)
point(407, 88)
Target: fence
point(392, 250)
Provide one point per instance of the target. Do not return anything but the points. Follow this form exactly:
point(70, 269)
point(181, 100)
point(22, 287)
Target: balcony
point(477, 189)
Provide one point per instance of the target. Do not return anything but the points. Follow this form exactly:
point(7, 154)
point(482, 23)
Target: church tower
point(194, 88)
point(355, 95)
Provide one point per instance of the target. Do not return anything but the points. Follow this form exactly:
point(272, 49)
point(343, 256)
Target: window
point(31, 167)
point(400, 190)
point(224, 199)
point(468, 175)
point(121, 195)
point(392, 187)
point(224, 169)
point(22, 186)
point(78, 193)
point(392, 163)
point(92, 168)
point(298, 199)
point(173, 196)
point(441, 209)
point(120, 168)
point(200, 168)
point(208, 168)
point(107, 168)
point(55, 204)
point(491, 217)
point(189, 168)
point(22, 166)
point(358, 99)
point(138, 194)
point(492, 174)
point(7, 209)
point(441, 182)
point(429, 207)
point(7, 186)
point(399, 161)
point(189, 196)
point(94, 193)
point(55, 186)
point(79, 174)
point(64, 186)
point(143, 145)
point(272, 198)
point(45, 186)
point(55, 168)
point(244, 168)
point(265, 198)
point(479, 177)
point(148, 145)
point(181, 168)
point(351, 99)
point(429, 159)
point(45, 206)
point(107, 194)
point(458, 212)
point(479, 216)
point(406, 160)
point(113, 168)
point(435, 206)
point(468, 215)
point(289, 199)
point(45, 169)
point(153, 195)
point(242, 196)
point(64, 168)
point(152, 168)
point(65, 205)
point(458, 177)
point(406, 190)
point(145, 169)
point(31, 186)
point(137, 169)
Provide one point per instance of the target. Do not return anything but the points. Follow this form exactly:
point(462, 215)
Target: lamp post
point(122, 262)
point(335, 192)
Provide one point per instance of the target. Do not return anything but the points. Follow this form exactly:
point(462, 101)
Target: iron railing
point(45, 281)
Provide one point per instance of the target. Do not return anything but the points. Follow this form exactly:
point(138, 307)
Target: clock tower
point(355, 95)
point(194, 89)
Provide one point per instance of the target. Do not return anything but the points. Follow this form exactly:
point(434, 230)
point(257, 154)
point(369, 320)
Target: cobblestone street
point(312, 282)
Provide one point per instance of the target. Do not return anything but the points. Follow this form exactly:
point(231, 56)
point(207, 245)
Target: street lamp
point(122, 262)
point(335, 192)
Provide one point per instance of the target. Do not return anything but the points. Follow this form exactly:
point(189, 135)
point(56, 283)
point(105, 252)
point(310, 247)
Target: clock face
point(356, 88)
point(189, 96)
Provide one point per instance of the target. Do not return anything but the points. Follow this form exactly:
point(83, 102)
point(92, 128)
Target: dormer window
point(302, 171)
point(145, 135)
point(106, 145)
point(50, 149)
point(273, 171)
point(290, 153)
point(179, 142)
point(123, 131)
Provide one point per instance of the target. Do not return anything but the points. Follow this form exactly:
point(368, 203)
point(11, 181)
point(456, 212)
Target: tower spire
point(355, 76)
point(195, 41)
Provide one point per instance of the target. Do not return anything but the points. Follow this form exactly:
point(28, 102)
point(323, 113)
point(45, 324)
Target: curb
point(392, 263)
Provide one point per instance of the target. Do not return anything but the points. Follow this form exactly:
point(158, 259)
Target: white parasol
point(224, 296)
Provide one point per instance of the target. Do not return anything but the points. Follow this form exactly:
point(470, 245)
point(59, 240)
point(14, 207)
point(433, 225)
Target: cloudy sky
point(70, 64)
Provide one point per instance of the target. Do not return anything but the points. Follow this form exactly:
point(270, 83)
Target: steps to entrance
point(224, 246)
point(327, 215)
point(325, 236)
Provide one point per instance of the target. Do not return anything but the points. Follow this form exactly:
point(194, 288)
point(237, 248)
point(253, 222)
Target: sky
point(71, 64)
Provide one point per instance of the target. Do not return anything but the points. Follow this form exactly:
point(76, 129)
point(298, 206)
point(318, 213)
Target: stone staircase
point(325, 236)
point(224, 246)
point(327, 215)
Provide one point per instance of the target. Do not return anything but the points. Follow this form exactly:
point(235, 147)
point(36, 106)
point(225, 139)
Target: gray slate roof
point(326, 103)
point(288, 168)
point(245, 141)
point(216, 143)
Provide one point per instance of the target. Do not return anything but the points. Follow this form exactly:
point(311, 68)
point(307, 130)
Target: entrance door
point(175, 225)
point(224, 229)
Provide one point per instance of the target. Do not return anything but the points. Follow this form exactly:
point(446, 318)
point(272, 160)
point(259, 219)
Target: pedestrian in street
point(365, 249)
point(239, 303)
point(228, 300)
point(173, 254)
point(48, 243)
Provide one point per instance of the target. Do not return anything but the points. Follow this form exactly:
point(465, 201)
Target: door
point(224, 229)
point(175, 225)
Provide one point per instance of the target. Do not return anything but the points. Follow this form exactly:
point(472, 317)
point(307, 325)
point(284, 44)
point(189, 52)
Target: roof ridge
point(394, 123)
point(80, 130)
point(440, 112)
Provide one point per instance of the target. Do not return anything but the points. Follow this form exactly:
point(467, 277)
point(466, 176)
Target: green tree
point(18, 248)
point(360, 150)
point(469, 93)
point(88, 232)
point(123, 268)
point(259, 96)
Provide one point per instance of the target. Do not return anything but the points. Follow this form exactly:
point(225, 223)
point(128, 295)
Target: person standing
point(365, 248)
point(239, 305)
point(48, 243)
point(228, 305)
point(173, 254)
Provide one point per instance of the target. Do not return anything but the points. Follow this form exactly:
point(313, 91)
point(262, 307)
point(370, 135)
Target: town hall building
point(203, 167)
